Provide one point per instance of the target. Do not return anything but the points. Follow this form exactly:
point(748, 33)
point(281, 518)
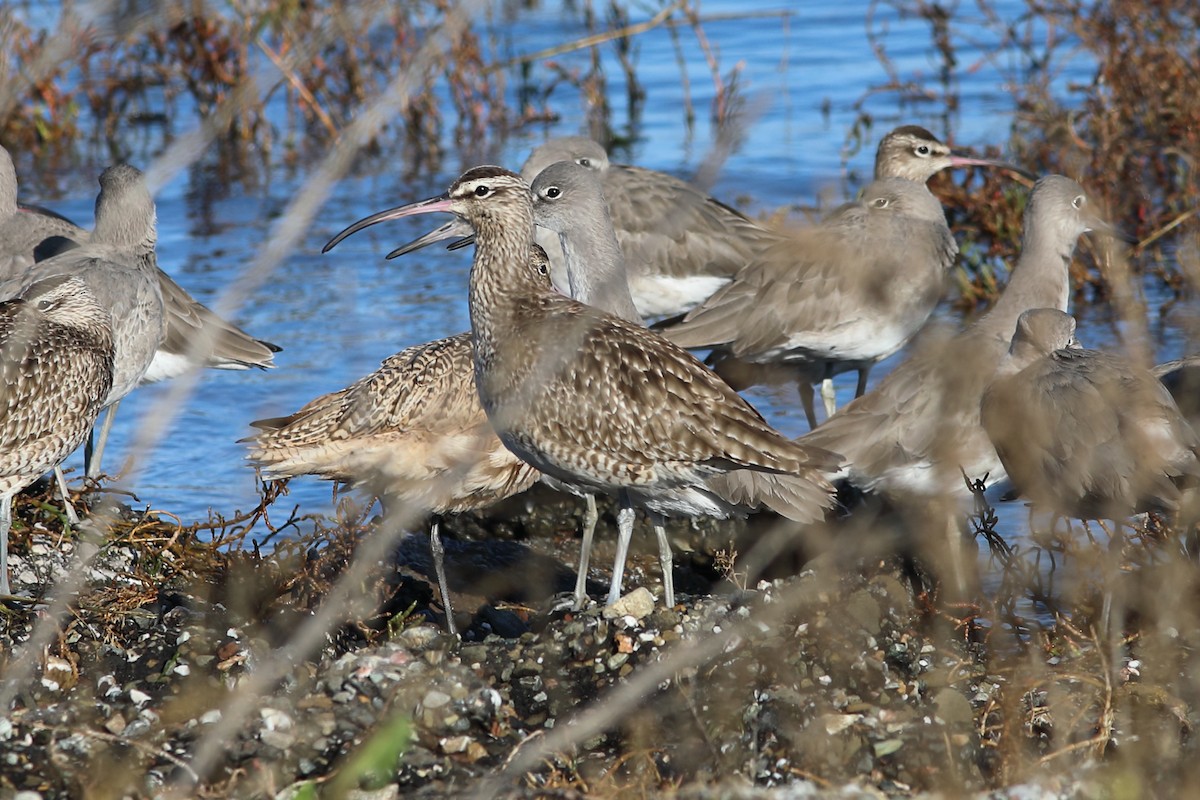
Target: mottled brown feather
point(413, 430)
point(591, 398)
point(56, 368)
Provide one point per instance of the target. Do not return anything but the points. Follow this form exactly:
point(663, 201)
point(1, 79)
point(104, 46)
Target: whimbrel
point(1081, 432)
point(595, 400)
point(568, 201)
point(195, 336)
point(417, 421)
point(56, 369)
point(412, 433)
point(118, 265)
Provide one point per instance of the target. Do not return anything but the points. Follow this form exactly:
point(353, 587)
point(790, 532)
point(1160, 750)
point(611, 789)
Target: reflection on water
point(337, 316)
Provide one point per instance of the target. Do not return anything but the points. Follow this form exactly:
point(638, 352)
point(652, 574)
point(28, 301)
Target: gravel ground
point(828, 682)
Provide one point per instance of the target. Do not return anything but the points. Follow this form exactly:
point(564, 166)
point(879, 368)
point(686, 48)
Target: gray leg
point(1112, 609)
point(664, 559)
point(861, 388)
point(624, 535)
point(439, 566)
point(5, 524)
point(590, 517)
point(72, 517)
point(806, 400)
point(829, 397)
point(92, 468)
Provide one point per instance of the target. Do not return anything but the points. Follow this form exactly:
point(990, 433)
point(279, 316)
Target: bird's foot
point(567, 601)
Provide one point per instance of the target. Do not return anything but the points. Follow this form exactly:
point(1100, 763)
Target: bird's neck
point(8, 188)
point(133, 238)
point(1040, 279)
point(596, 271)
point(502, 278)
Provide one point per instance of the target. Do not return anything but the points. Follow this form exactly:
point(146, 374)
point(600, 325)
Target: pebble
point(845, 689)
point(435, 699)
point(638, 604)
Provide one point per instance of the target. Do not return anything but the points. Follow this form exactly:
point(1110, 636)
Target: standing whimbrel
point(56, 368)
point(195, 336)
point(594, 400)
point(118, 265)
point(1085, 433)
point(412, 433)
point(568, 201)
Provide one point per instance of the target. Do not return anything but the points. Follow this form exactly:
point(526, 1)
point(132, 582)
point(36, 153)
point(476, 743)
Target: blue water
point(805, 71)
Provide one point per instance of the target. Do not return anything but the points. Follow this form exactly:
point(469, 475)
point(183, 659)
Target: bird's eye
point(45, 305)
point(543, 268)
point(1079, 202)
point(584, 161)
point(879, 202)
point(553, 193)
point(922, 150)
point(482, 191)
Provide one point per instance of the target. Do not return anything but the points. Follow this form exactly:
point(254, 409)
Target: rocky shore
point(827, 682)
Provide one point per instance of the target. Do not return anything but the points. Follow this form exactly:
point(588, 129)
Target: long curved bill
point(959, 159)
point(439, 203)
point(457, 228)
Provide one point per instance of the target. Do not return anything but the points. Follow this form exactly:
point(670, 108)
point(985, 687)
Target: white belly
point(665, 296)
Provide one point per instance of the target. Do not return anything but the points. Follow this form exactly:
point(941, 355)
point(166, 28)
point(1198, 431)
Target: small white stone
point(275, 720)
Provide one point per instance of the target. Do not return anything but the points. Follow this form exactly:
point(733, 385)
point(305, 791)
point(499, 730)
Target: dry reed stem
point(592, 40)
